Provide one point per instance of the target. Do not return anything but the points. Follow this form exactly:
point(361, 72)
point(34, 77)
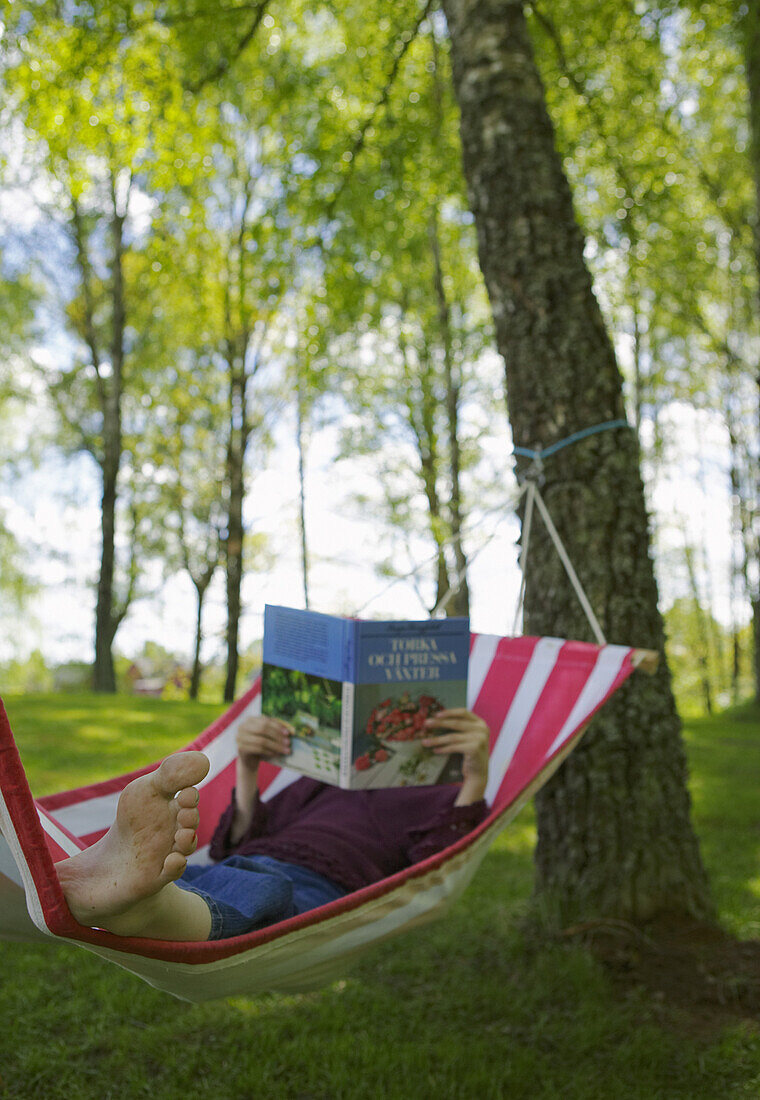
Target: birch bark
point(615, 837)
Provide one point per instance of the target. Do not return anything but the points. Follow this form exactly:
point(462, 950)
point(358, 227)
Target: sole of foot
point(145, 849)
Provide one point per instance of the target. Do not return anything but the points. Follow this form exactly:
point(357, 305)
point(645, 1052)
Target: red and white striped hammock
point(537, 696)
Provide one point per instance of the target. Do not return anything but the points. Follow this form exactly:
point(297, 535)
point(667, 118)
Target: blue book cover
point(356, 694)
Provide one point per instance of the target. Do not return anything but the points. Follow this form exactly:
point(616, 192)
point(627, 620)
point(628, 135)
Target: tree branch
point(710, 184)
point(402, 44)
point(225, 63)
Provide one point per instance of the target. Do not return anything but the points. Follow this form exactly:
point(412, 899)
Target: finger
point(268, 732)
point(472, 737)
point(262, 745)
point(454, 743)
point(457, 712)
point(252, 724)
point(262, 723)
point(271, 729)
point(456, 723)
point(443, 733)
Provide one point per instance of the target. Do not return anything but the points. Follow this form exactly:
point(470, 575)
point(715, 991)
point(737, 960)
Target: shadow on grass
point(71, 740)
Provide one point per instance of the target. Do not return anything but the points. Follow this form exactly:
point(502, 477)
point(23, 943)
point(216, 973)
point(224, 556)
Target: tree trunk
point(201, 588)
point(235, 529)
point(756, 639)
point(104, 677)
point(421, 408)
point(743, 481)
point(615, 838)
point(459, 604)
point(751, 37)
point(106, 621)
point(755, 595)
point(703, 654)
point(301, 444)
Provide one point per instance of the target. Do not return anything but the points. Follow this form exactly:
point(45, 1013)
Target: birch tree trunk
point(615, 837)
point(236, 447)
point(459, 603)
point(201, 588)
point(301, 447)
point(107, 617)
point(751, 43)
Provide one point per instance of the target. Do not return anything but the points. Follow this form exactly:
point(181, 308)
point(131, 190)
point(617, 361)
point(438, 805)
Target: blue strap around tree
point(607, 426)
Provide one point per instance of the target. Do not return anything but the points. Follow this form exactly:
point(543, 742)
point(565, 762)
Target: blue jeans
point(249, 892)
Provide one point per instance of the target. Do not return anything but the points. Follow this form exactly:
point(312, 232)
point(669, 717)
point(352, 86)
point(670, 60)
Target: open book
point(356, 693)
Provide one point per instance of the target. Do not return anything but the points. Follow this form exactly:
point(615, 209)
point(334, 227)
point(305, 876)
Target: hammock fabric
point(536, 694)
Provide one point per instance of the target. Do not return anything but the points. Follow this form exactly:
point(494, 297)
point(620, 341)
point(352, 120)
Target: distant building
point(146, 680)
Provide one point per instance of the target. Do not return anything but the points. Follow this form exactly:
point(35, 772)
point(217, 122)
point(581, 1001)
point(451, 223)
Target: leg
point(126, 881)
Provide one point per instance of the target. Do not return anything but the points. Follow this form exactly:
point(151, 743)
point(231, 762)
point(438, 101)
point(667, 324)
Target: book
point(355, 694)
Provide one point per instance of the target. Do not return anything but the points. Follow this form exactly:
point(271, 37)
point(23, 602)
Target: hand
point(256, 736)
point(260, 736)
point(468, 735)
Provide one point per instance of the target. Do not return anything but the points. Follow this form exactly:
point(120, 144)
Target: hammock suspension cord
point(529, 487)
point(534, 496)
point(531, 479)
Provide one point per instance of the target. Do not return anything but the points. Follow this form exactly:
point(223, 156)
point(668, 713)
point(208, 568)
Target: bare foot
point(123, 882)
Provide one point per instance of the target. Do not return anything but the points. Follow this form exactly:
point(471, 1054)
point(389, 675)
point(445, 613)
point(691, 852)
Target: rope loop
point(535, 471)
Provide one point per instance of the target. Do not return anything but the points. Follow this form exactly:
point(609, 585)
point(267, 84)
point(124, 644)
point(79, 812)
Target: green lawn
point(465, 1008)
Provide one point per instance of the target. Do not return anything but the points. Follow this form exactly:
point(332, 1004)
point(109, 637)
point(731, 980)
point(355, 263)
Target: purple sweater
point(351, 837)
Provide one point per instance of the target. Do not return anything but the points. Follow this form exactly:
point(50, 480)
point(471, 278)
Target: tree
point(664, 192)
point(614, 832)
point(180, 455)
point(403, 285)
point(750, 27)
point(17, 299)
point(91, 130)
point(691, 629)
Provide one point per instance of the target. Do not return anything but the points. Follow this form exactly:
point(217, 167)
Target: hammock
point(537, 696)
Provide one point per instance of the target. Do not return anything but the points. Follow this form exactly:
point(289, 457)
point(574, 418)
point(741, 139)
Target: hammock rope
point(530, 479)
point(541, 453)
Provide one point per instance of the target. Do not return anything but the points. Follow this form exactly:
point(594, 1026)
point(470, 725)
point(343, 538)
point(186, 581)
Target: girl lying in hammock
point(307, 846)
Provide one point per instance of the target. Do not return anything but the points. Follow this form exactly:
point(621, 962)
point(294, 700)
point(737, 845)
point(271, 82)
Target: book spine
point(346, 734)
point(349, 650)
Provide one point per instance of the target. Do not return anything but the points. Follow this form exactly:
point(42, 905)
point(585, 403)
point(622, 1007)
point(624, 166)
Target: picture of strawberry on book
point(393, 735)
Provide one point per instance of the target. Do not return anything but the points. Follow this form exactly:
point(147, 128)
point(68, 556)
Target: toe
point(174, 864)
point(182, 769)
point(188, 819)
point(188, 797)
point(185, 841)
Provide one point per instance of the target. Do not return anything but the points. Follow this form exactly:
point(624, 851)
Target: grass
point(71, 740)
point(465, 1008)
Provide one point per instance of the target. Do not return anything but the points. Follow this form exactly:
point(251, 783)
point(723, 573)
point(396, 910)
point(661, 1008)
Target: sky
point(54, 512)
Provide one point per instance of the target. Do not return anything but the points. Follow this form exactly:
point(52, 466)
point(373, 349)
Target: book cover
point(356, 694)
